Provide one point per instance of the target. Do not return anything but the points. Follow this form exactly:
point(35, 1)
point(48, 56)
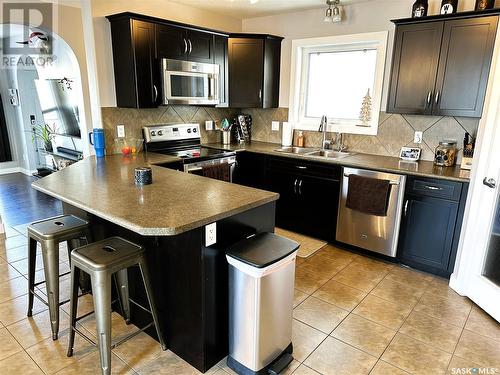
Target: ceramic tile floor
point(352, 315)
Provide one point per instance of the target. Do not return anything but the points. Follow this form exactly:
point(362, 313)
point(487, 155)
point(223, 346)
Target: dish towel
point(220, 172)
point(368, 195)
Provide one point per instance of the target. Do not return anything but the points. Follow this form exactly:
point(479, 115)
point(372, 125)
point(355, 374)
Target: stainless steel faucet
point(323, 128)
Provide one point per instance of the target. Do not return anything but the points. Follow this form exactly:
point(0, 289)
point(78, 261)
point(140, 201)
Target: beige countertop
point(175, 203)
point(357, 160)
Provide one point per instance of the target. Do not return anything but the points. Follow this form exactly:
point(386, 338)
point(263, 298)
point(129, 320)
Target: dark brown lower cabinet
point(431, 224)
point(309, 195)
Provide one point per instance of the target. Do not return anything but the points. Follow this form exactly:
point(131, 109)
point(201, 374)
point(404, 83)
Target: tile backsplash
point(394, 132)
point(134, 119)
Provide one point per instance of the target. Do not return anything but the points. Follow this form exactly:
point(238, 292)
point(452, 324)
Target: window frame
point(301, 48)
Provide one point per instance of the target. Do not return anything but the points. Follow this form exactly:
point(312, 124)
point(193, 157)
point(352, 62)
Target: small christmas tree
point(366, 110)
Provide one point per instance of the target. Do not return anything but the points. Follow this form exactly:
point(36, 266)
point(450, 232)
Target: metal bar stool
point(50, 233)
point(101, 260)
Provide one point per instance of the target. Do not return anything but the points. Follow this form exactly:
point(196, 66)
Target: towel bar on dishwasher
point(390, 182)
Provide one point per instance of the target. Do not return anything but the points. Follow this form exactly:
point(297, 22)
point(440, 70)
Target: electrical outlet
point(120, 131)
point(210, 234)
point(209, 125)
point(419, 136)
point(275, 125)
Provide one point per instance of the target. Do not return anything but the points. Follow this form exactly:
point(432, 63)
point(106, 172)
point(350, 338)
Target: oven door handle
point(390, 182)
point(195, 169)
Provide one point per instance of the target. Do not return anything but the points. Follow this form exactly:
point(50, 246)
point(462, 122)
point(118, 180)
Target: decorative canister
point(143, 176)
point(446, 154)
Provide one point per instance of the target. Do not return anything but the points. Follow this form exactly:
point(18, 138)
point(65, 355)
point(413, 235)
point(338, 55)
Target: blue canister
point(96, 138)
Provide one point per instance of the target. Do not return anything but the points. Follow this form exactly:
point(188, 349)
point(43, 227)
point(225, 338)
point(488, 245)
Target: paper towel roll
point(287, 134)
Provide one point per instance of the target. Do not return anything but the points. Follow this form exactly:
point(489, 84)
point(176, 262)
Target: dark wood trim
point(447, 17)
point(143, 17)
point(255, 36)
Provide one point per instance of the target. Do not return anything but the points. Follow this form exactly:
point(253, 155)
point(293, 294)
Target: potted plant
point(45, 133)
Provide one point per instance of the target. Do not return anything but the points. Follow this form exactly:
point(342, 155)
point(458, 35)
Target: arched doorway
point(50, 96)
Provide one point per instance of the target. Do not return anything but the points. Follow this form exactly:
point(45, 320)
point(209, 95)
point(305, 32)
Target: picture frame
point(410, 153)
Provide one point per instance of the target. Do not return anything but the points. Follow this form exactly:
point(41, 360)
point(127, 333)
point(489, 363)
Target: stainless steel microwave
point(186, 82)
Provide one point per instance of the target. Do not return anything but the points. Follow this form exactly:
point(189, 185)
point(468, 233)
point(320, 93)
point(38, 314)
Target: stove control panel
point(177, 132)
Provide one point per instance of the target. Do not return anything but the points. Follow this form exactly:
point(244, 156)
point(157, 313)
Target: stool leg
point(84, 281)
point(50, 253)
point(122, 283)
point(149, 292)
point(75, 274)
point(101, 289)
point(31, 274)
point(72, 245)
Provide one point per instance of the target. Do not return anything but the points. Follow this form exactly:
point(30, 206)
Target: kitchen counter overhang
point(175, 203)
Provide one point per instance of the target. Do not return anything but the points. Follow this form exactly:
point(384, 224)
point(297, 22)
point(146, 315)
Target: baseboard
point(25, 171)
point(10, 170)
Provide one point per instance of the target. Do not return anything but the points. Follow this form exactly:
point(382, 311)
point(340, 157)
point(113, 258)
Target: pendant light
point(333, 12)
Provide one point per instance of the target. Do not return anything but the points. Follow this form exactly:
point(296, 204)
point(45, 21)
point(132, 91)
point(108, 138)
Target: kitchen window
point(332, 75)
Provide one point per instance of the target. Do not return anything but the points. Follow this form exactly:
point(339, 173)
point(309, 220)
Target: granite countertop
point(176, 202)
point(357, 160)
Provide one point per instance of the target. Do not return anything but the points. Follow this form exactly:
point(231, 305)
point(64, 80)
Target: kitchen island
point(168, 218)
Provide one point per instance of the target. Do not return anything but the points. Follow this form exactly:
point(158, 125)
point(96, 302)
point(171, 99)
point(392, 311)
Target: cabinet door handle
point(260, 94)
point(435, 188)
point(156, 93)
point(490, 182)
point(301, 167)
point(429, 98)
point(437, 97)
point(185, 46)
point(190, 46)
point(300, 187)
point(295, 186)
point(406, 207)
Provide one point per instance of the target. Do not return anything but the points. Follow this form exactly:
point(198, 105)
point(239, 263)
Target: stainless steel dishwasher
point(370, 232)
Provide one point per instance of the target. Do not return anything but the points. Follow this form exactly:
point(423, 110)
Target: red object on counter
point(126, 150)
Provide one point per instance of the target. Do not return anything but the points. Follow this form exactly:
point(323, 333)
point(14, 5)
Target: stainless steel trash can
point(261, 286)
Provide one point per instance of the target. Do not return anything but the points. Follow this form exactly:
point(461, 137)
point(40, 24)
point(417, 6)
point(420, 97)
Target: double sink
point(314, 152)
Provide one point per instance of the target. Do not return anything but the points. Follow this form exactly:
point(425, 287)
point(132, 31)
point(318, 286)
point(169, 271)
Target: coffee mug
point(96, 138)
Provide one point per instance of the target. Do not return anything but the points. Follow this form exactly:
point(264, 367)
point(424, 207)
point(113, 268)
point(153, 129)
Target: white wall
point(156, 8)
point(368, 16)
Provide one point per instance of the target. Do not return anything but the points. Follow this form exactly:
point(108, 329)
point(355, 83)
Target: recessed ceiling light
point(254, 1)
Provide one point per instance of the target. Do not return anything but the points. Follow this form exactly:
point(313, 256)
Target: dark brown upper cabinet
point(137, 74)
point(254, 70)
point(221, 59)
point(441, 64)
point(178, 43)
point(249, 64)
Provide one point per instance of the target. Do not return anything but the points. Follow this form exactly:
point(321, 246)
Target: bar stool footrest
point(114, 345)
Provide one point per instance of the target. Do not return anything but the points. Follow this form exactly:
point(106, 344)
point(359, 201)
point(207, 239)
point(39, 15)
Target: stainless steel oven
point(186, 82)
